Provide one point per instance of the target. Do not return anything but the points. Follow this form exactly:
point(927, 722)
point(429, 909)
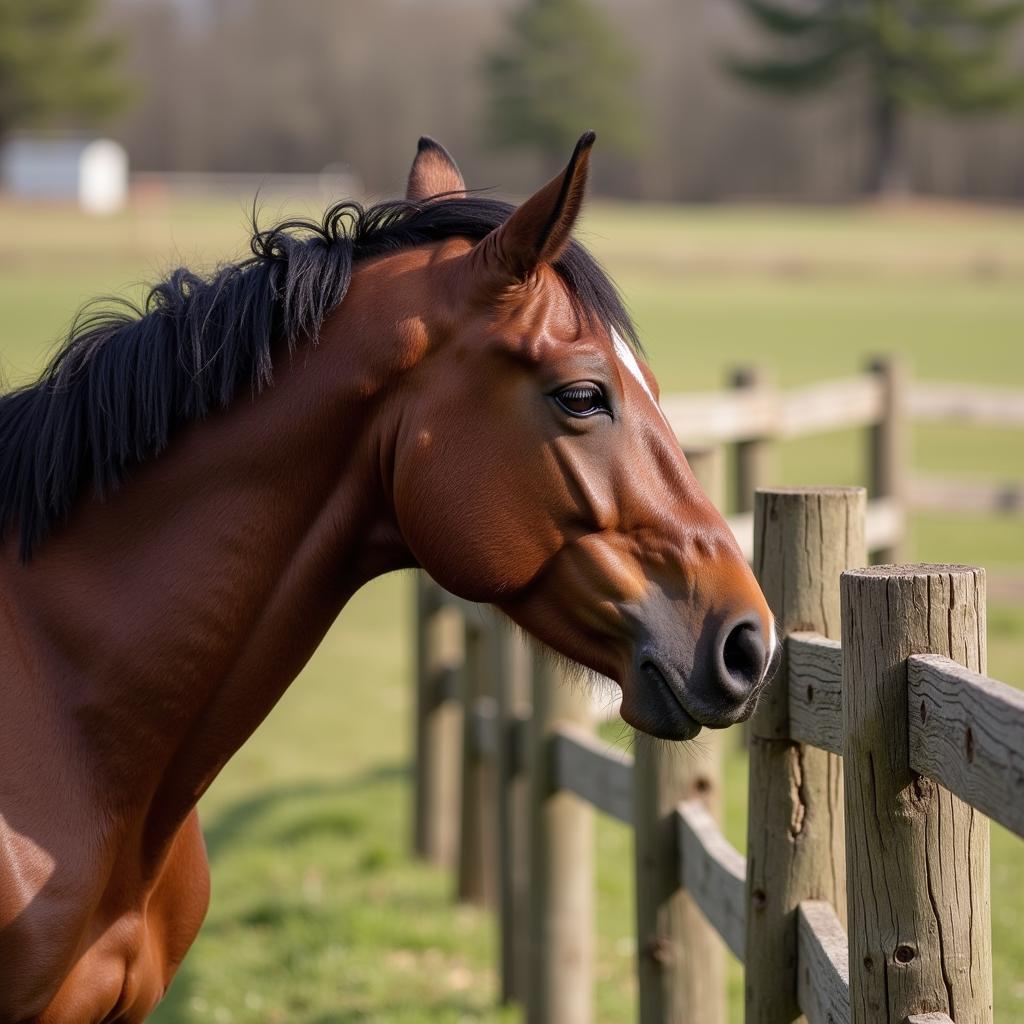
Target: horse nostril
point(744, 655)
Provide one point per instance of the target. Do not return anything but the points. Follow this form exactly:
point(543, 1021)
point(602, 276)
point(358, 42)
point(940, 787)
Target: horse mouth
point(664, 715)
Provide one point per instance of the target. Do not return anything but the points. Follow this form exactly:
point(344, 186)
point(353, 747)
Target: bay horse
point(192, 491)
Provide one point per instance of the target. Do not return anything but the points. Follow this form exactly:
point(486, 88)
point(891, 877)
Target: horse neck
point(165, 622)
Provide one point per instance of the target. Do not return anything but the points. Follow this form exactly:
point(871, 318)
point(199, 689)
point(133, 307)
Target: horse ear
point(539, 230)
point(434, 173)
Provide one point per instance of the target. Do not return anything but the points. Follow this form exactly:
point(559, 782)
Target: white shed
point(91, 172)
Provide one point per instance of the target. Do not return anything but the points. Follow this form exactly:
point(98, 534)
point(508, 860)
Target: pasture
point(318, 914)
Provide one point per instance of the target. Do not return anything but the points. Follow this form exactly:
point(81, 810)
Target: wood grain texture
point(713, 873)
point(815, 691)
point(804, 538)
point(560, 953)
point(586, 766)
point(918, 858)
point(680, 958)
point(824, 971)
point(967, 732)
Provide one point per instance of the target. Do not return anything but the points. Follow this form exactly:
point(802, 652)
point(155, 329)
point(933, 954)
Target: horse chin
point(653, 706)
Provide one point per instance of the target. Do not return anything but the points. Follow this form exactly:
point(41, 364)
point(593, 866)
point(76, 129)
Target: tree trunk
point(887, 175)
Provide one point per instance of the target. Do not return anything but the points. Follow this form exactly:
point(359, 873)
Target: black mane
point(127, 377)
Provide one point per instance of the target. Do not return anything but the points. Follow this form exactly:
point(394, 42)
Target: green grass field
point(318, 915)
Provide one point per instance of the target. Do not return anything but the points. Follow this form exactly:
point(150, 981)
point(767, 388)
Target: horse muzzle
point(676, 688)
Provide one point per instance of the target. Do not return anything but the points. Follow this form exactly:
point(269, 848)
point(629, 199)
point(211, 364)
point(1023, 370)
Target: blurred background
point(787, 186)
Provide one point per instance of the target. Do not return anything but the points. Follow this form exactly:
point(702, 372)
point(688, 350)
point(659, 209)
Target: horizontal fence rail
point(967, 733)
point(713, 872)
point(587, 767)
point(725, 416)
point(816, 691)
point(823, 978)
point(753, 414)
point(850, 731)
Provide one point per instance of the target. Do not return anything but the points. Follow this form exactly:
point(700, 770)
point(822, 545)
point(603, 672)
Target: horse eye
point(582, 399)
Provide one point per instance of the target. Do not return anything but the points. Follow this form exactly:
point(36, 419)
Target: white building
point(90, 172)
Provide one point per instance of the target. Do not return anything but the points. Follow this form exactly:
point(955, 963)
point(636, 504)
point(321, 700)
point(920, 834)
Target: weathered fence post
point(561, 948)
point(803, 539)
point(753, 457)
point(438, 725)
point(476, 876)
point(513, 663)
point(888, 444)
point(680, 958)
point(917, 857)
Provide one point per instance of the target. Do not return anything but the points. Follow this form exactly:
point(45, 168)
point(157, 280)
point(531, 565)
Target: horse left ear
point(434, 173)
point(539, 230)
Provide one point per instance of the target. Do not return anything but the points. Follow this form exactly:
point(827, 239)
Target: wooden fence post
point(803, 539)
point(753, 457)
point(513, 663)
point(561, 921)
point(888, 444)
point(680, 958)
point(476, 878)
point(438, 726)
point(918, 857)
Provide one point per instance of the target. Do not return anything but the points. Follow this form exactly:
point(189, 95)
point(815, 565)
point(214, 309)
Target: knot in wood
point(904, 954)
point(659, 950)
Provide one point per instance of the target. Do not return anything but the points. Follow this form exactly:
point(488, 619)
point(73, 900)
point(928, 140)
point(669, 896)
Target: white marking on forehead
point(625, 354)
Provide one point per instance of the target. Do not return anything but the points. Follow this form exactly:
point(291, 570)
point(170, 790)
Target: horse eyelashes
point(582, 400)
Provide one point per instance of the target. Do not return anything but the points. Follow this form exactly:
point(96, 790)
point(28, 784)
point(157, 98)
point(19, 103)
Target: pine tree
point(561, 71)
point(939, 54)
point(55, 69)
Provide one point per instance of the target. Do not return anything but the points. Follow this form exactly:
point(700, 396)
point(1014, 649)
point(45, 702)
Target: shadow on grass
point(231, 824)
point(244, 823)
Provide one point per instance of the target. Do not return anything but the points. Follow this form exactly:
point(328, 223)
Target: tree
point(561, 71)
point(942, 54)
point(54, 67)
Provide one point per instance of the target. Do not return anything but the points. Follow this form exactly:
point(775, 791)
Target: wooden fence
point(870, 762)
point(752, 416)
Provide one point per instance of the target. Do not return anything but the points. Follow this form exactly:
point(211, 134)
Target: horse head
point(535, 470)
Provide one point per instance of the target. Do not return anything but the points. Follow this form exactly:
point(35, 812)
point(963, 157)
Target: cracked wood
point(804, 538)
